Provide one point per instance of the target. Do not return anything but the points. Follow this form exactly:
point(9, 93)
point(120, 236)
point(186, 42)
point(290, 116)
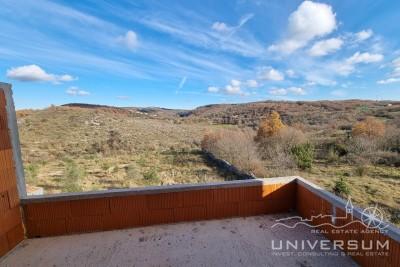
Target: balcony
point(224, 242)
point(228, 223)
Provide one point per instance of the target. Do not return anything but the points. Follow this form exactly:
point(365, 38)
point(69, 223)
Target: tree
point(271, 126)
point(370, 128)
point(304, 155)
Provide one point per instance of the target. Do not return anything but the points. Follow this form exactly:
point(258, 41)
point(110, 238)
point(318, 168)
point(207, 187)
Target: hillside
point(81, 147)
point(313, 113)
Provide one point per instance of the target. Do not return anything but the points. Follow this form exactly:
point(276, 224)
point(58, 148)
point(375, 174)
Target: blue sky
point(182, 54)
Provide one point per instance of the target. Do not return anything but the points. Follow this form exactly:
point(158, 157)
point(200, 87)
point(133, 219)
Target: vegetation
point(341, 188)
point(304, 155)
point(271, 126)
point(369, 127)
point(73, 176)
point(336, 144)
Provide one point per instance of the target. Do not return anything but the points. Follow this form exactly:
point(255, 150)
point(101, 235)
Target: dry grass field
point(79, 149)
point(83, 148)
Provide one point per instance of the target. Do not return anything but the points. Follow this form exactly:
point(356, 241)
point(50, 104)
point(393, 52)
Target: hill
point(83, 147)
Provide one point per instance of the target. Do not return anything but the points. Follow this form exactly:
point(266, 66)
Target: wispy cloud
point(182, 83)
point(285, 91)
point(75, 91)
point(394, 75)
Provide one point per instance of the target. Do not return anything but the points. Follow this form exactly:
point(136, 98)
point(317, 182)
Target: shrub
point(237, 147)
point(270, 126)
point(332, 155)
point(73, 175)
point(151, 176)
point(113, 144)
point(132, 171)
point(370, 127)
point(360, 170)
point(277, 149)
point(31, 173)
point(388, 158)
point(341, 188)
point(364, 147)
point(392, 139)
point(304, 155)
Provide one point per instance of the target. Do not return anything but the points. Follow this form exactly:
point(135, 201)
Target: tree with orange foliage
point(270, 126)
point(370, 127)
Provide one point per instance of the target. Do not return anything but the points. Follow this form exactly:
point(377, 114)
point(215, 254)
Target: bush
point(332, 155)
point(361, 170)
point(236, 147)
point(304, 155)
point(370, 128)
point(341, 188)
point(364, 146)
point(392, 140)
point(31, 173)
point(270, 126)
point(132, 172)
point(73, 176)
point(276, 150)
point(151, 176)
point(113, 144)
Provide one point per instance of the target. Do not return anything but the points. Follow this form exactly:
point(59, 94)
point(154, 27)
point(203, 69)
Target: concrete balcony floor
point(225, 242)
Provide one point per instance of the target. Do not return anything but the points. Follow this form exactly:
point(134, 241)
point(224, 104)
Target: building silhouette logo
point(371, 218)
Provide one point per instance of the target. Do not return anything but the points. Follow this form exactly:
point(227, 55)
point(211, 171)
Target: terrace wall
point(78, 213)
point(11, 226)
point(312, 201)
point(116, 209)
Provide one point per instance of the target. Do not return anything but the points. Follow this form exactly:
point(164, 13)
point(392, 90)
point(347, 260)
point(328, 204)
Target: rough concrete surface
point(227, 242)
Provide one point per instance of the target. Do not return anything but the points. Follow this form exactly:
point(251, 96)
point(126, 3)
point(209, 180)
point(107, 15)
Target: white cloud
point(285, 91)
point(363, 35)
point(235, 83)
point(224, 28)
point(309, 21)
point(129, 40)
point(290, 73)
point(320, 78)
point(34, 73)
point(394, 76)
point(324, 47)
point(213, 89)
point(232, 90)
point(278, 91)
point(348, 66)
point(272, 74)
point(364, 58)
point(182, 82)
point(389, 80)
point(297, 90)
point(220, 27)
point(234, 87)
point(396, 67)
point(252, 83)
point(75, 91)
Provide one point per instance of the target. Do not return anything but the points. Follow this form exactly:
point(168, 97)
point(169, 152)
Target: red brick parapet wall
point(312, 201)
point(11, 228)
point(60, 215)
